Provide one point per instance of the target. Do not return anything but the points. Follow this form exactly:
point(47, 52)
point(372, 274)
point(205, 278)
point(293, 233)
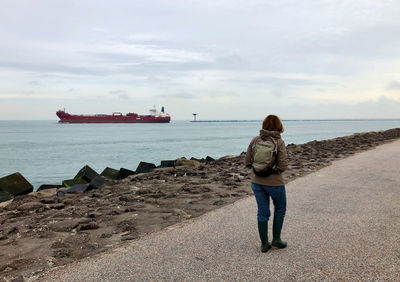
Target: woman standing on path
point(267, 156)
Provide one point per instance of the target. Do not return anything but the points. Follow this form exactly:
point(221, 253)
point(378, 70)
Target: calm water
point(47, 152)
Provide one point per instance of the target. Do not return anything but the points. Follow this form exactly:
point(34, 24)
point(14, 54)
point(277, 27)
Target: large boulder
point(49, 186)
point(4, 196)
point(86, 173)
point(71, 182)
point(77, 188)
point(144, 167)
point(167, 163)
point(124, 172)
point(110, 173)
point(209, 159)
point(97, 182)
point(15, 184)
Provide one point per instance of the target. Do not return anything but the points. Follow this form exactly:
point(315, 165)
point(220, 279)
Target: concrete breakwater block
point(209, 159)
point(185, 162)
point(144, 167)
point(196, 159)
point(167, 163)
point(4, 196)
point(124, 172)
point(97, 182)
point(15, 184)
point(49, 186)
point(71, 182)
point(86, 173)
point(77, 188)
point(110, 173)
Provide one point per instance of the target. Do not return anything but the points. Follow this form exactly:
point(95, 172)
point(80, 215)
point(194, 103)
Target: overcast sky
point(223, 59)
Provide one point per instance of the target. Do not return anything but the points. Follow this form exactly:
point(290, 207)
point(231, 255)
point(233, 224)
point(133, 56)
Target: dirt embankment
point(41, 230)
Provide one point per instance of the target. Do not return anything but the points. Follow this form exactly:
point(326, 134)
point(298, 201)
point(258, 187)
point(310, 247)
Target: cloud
point(394, 85)
point(121, 94)
point(35, 83)
point(117, 92)
point(44, 68)
point(182, 96)
point(124, 96)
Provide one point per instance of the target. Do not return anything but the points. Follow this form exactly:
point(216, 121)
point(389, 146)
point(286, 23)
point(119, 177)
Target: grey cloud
point(177, 96)
point(117, 92)
point(121, 94)
point(383, 107)
point(394, 85)
point(49, 68)
point(124, 96)
point(35, 83)
point(231, 60)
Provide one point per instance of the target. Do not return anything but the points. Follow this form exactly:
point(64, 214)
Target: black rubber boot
point(263, 232)
point(276, 231)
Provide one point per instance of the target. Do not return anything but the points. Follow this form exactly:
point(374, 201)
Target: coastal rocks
point(110, 173)
point(209, 159)
point(124, 173)
point(144, 167)
point(66, 225)
point(4, 196)
point(167, 163)
point(49, 186)
point(71, 182)
point(77, 188)
point(185, 162)
point(14, 184)
point(86, 173)
point(96, 183)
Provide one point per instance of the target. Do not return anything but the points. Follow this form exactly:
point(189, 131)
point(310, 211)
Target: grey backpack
point(265, 152)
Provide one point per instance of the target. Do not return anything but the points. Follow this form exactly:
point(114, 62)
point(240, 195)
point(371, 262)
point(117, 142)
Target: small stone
point(87, 226)
point(30, 206)
point(19, 278)
point(219, 203)
point(57, 206)
point(89, 247)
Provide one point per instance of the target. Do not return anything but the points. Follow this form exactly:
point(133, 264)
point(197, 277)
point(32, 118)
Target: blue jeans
point(262, 193)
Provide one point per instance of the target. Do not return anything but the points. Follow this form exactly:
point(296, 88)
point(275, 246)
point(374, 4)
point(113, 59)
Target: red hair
point(273, 123)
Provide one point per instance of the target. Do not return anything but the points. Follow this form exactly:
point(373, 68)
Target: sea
point(46, 152)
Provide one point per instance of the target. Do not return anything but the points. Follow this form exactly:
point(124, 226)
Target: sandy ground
point(341, 225)
point(40, 231)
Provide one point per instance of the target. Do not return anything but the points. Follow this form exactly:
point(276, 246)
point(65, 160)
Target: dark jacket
point(273, 179)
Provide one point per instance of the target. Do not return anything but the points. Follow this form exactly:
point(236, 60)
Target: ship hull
point(68, 118)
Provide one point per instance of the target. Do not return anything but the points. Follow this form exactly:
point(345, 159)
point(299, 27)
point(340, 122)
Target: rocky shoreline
point(44, 229)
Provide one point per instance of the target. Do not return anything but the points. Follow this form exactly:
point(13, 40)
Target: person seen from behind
point(267, 157)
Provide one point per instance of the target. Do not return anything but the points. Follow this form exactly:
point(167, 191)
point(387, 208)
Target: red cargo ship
point(116, 117)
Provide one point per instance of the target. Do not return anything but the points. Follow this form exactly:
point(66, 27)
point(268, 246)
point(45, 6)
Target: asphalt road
point(342, 223)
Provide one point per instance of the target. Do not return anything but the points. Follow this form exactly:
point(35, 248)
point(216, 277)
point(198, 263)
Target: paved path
point(343, 223)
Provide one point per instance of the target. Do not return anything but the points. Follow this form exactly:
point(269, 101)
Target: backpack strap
point(275, 166)
point(253, 147)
